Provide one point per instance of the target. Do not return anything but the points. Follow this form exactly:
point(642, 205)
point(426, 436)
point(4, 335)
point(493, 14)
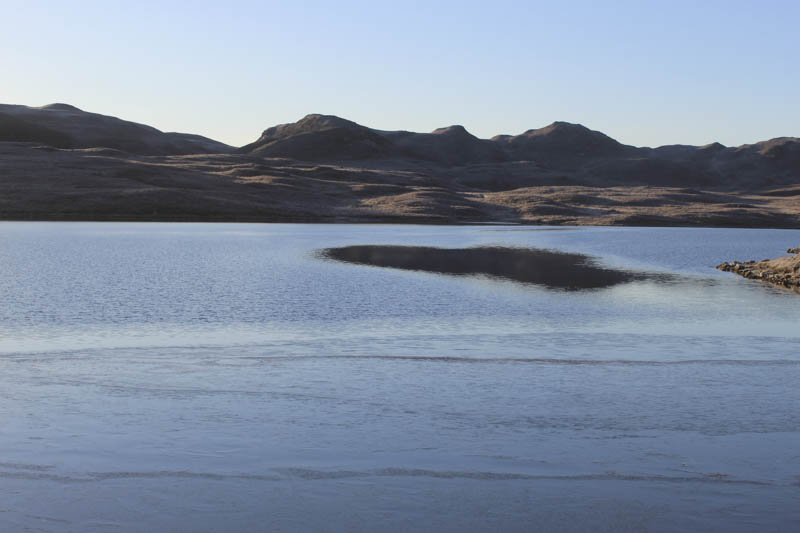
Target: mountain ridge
point(74, 128)
point(559, 145)
point(58, 162)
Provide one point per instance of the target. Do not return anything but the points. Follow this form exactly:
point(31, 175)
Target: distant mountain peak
point(560, 127)
point(456, 130)
point(714, 147)
point(311, 123)
point(320, 121)
point(60, 107)
point(317, 137)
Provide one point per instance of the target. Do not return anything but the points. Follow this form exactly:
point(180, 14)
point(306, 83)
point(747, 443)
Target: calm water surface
point(208, 377)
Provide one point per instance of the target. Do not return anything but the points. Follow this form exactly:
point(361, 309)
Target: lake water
point(227, 377)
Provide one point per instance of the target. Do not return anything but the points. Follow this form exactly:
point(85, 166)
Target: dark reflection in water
point(556, 270)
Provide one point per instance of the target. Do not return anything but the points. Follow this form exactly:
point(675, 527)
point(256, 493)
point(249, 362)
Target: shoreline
point(782, 272)
point(416, 221)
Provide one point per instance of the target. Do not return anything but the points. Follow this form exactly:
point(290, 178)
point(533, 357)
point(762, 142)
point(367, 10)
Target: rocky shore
point(783, 272)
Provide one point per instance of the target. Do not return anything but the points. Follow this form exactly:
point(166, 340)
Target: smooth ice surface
point(209, 377)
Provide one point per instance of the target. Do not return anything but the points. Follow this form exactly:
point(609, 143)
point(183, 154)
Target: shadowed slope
point(13, 129)
point(66, 126)
point(450, 146)
point(319, 137)
point(560, 142)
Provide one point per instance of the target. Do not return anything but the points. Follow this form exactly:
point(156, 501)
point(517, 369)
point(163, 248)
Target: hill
point(574, 152)
point(66, 126)
point(58, 162)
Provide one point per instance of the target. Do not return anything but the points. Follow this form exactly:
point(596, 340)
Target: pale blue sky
point(646, 73)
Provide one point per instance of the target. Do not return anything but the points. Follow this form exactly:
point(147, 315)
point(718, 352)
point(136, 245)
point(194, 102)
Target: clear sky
point(645, 72)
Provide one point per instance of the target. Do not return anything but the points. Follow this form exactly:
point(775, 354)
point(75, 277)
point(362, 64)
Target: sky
point(647, 73)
